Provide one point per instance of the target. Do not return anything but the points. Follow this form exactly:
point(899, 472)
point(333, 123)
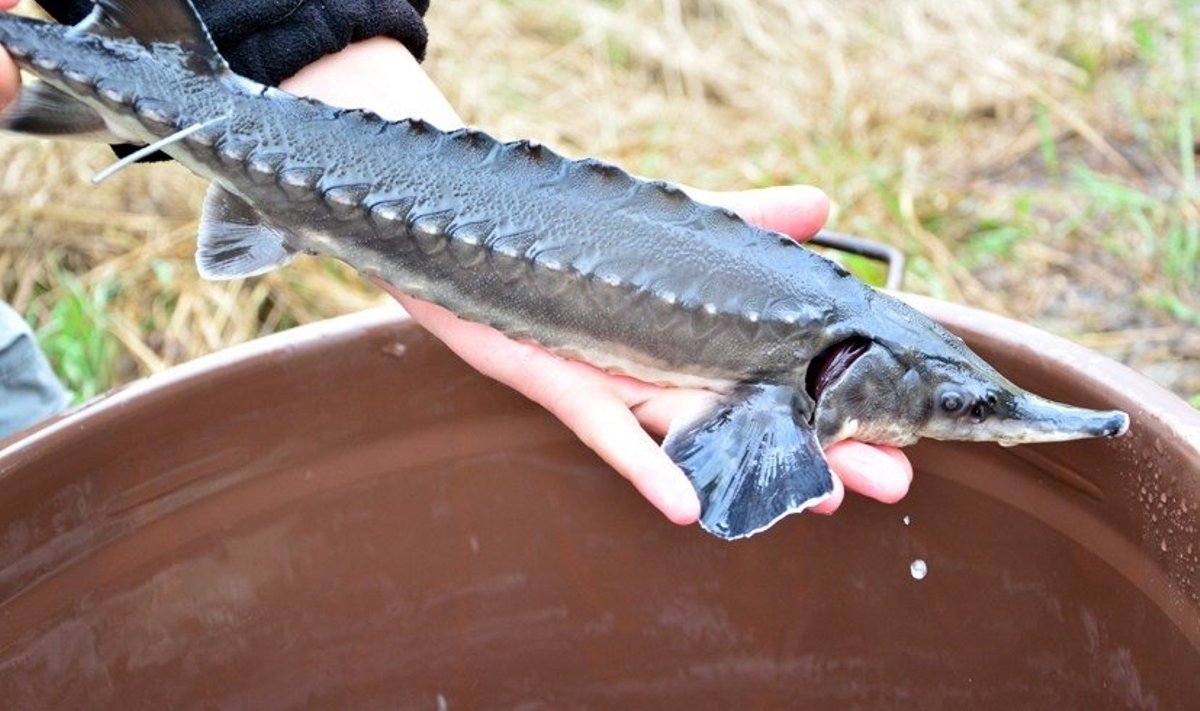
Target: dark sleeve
point(270, 40)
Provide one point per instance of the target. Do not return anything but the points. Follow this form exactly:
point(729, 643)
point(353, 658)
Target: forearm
point(379, 74)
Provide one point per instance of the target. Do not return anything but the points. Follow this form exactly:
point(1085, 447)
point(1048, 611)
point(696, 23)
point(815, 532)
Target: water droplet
point(918, 569)
point(1163, 545)
point(907, 520)
point(1163, 497)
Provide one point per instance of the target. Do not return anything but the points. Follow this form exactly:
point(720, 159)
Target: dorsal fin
point(157, 22)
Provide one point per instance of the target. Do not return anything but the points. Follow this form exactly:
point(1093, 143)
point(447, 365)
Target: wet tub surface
point(347, 516)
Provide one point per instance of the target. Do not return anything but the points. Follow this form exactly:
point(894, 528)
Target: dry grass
point(1033, 158)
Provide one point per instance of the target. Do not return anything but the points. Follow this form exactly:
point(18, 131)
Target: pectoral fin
point(753, 460)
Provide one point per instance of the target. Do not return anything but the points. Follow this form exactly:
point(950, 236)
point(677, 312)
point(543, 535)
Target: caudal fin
point(73, 67)
point(173, 22)
point(753, 459)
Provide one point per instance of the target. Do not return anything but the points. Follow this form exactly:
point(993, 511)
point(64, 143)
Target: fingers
point(605, 411)
point(830, 505)
point(586, 400)
point(879, 472)
point(798, 211)
point(666, 406)
point(605, 424)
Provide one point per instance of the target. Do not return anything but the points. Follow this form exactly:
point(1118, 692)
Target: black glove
point(270, 40)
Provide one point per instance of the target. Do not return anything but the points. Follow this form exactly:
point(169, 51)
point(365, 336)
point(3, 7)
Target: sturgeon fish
point(629, 275)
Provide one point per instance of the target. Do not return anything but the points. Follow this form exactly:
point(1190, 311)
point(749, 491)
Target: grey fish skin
point(627, 274)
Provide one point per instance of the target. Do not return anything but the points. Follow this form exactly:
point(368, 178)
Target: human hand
point(10, 78)
point(615, 415)
point(612, 414)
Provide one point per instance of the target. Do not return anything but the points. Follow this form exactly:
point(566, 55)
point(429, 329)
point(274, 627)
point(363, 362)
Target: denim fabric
point(29, 391)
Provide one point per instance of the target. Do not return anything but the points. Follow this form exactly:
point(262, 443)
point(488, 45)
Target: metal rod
point(886, 253)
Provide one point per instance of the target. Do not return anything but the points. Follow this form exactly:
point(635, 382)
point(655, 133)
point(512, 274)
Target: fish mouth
point(832, 363)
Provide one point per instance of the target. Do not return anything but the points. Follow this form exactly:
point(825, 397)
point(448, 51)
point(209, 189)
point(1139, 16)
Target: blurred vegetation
point(1036, 159)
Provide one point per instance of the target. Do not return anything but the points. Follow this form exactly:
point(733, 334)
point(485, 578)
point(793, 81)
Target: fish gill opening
point(832, 363)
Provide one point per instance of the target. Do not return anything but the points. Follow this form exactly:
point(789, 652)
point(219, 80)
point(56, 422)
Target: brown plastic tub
point(346, 516)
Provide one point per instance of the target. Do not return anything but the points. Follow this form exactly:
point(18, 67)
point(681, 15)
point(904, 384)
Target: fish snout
point(1117, 425)
point(1035, 419)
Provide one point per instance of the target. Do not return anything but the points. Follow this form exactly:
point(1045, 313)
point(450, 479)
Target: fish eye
point(951, 401)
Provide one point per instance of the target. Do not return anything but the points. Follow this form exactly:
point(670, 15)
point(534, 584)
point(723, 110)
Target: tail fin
point(34, 44)
point(72, 70)
point(158, 21)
